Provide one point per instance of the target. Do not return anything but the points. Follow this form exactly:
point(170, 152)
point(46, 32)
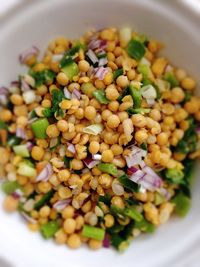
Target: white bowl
point(37, 22)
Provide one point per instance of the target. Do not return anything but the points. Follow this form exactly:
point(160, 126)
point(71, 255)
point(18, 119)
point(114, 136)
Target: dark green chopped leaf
point(188, 96)
point(105, 199)
point(48, 113)
point(43, 77)
point(182, 203)
point(132, 111)
point(13, 140)
point(170, 77)
point(57, 97)
point(116, 228)
point(119, 243)
point(48, 230)
point(71, 52)
point(146, 82)
point(117, 73)
point(136, 95)
point(44, 200)
point(101, 96)
point(128, 184)
point(126, 233)
point(143, 146)
point(136, 49)
point(124, 93)
point(102, 55)
point(67, 162)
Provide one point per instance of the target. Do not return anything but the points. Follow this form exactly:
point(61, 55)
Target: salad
point(98, 139)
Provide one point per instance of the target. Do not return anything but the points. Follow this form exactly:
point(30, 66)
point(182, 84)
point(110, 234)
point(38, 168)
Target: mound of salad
point(98, 139)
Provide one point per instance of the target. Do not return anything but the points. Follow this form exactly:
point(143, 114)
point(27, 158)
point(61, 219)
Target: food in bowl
point(98, 139)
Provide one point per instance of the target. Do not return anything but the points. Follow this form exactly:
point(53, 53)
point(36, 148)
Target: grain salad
point(98, 139)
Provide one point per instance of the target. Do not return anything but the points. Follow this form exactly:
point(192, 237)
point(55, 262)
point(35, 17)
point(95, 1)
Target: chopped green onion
point(9, 187)
point(117, 73)
point(88, 89)
point(174, 175)
point(108, 168)
point(170, 77)
point(138, 110)
point(39, 128)
point(145, 226)
point(136, 95)
point(44, 200)
point(93, 232)
point(182, 203)
point(47, 112)
point(21, 150)
point(132, 213)
point(100, 96)
point(26, 170)
point(125, 92)
point(93, 129)
point(136, 49)
point(13, 140)
point(119, 243)
point(49, 229)
point(144, 70)
point(105, 199)
point(43, 77)
point(71, 69)
point(128, 184)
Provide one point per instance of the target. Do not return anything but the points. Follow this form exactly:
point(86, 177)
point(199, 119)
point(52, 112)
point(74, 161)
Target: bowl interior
point(39, 22)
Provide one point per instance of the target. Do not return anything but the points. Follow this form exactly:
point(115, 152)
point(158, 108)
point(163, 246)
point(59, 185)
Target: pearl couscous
point(98, 139)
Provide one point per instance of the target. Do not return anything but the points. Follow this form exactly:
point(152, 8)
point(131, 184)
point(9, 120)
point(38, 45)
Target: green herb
point(145, 226)
point(138, 110)
point(108, 168)
point(101, 96)
point(119, 243)
point(136, 95)
point(44, 200)
point(144, 70)
point(49, 229)
point(170, 77)
point(101, 55)
point(128, 184)
point(117, 73)
point(43, 77)
point(189, 142)
point(182, 203)
point(188, 96)
point(93, 232)
point(105, 199)
point(136, 49)
point(125, 92)
point(71, 52)
point(39, 128)
point(9, 187)
point(174, 176)
point(144, 146)
point(67, 162)
point(57, 97)
point(47, 112)
point(13, 140)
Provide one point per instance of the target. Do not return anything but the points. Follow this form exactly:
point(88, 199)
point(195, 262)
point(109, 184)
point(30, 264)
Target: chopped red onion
point(4, 90)
point(96, 156)
point(45, 174)
point(71, 148)
point(4, 95)
point(92, 56)
point(150, 101)
point(28, 218)
point(90, 163)
point(67, 94)
point(24, 86)
point(20, 133)
point(76, 94)
point(101, 72)
point(106, 241)
point(135, 177)
point(135, 157)
point(32, 51)
point(17, 194)
point(164, 192)
point(61, 204)
point(103, 61)
point(96, 43)
point(198, 129)
point(29, 146)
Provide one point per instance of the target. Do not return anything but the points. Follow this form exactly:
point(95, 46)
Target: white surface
point(39, 23)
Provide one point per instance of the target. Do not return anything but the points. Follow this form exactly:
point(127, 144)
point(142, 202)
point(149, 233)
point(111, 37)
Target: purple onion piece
point(71, 148)
point(20, 133)
point(76, 94)
point(32, 51)
point(101, 72)
point(28, 218)
point(67, 94)
point(45, 174)
point(90, 163)
point(106, 241)
point(61, 204)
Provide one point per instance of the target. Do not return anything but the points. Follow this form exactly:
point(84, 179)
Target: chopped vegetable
point(100, 96)
point(39, 128)
point(43, 77)
point(117, 73)
point(135, 49)
point(44, 200)
point(13, 140)
point(174, 175)
point(145, 226)
point(93, 232)
point(132, 213)
point(93, 129)
point(108, 168)
point(138, 110)
point(119, 243)
point(10, 187)
point(182, 203)
point(136, 95)
point(49, 229)
point(71, 69)
point(128, 184)
point(21, 150)
point(170, 77)
point(25, 169)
